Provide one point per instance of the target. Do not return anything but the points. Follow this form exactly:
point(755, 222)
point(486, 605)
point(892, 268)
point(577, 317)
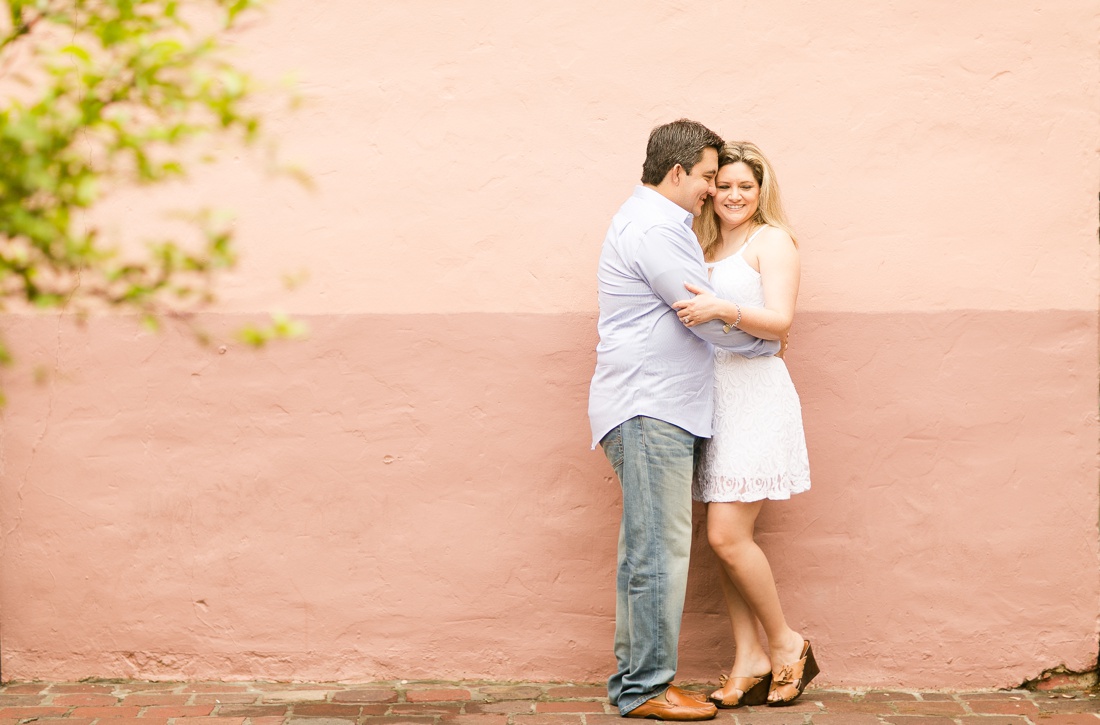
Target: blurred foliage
point(101, 95)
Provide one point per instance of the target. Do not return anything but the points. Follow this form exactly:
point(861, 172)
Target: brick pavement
point(427, 703)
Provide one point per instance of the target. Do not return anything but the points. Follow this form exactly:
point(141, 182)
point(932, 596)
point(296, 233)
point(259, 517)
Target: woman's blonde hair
point(769, 209)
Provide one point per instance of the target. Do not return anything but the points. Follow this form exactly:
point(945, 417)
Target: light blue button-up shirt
point(647, 362)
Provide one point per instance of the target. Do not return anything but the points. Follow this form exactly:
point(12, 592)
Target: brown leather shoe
point(793, 678)
point(681, 705)
point(741, 691)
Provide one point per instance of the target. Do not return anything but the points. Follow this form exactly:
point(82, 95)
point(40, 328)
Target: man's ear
point(676, 174)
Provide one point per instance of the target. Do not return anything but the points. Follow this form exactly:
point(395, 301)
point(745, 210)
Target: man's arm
point(666, 261)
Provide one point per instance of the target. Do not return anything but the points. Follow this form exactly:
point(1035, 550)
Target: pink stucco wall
point(409, 492)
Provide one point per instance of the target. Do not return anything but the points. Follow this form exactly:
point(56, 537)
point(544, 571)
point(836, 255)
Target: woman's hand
point(704, 307)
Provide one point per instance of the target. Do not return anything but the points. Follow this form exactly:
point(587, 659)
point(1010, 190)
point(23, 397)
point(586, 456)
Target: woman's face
point(738, 194)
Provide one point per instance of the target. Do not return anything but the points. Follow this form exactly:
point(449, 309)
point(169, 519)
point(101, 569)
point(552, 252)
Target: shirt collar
point(667, 207)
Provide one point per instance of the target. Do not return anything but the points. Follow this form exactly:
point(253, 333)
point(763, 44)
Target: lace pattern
point(758, 449)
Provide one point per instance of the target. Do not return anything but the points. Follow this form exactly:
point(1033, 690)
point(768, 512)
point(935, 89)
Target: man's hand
point(783, 345)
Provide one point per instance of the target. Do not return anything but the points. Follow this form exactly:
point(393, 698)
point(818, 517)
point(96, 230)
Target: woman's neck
point(733, 238)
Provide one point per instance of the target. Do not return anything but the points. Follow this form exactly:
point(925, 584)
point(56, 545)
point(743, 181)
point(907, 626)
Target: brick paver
point(475, 703)
point(436, 695)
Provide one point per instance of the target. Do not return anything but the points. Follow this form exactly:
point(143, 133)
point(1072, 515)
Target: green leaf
point(77, 51)
point(116, 93)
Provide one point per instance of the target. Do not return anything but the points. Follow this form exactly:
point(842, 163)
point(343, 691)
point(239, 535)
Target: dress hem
point(779, 496)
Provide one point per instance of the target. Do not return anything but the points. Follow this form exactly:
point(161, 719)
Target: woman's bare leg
point(750, 659)
point(730, 528)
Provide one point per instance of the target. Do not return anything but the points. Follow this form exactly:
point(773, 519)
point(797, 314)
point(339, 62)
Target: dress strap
point(749, 240)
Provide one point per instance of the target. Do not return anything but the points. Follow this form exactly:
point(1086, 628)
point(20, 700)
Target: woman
point(758, 450)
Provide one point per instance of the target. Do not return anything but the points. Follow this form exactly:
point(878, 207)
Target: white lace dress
point(758, 449)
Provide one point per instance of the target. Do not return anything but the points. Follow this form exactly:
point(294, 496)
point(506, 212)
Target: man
point(651, 397)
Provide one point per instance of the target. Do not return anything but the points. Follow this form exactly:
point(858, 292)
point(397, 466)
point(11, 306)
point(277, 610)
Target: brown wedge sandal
point(754, 691)
point(792, 679)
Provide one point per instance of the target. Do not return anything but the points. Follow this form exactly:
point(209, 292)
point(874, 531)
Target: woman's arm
point(780, 270)
point(668, 258)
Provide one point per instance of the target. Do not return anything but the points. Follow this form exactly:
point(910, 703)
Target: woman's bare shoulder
point(776, 240)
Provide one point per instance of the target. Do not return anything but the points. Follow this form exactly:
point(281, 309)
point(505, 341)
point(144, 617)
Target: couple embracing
point(697, 284)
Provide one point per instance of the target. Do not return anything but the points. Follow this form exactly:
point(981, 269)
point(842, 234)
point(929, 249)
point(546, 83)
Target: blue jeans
point(653, 461)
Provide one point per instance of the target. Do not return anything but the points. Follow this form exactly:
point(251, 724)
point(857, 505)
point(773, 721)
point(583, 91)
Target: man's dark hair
point(680, 142)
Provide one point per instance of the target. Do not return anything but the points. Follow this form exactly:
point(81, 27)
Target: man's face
point(699, 184)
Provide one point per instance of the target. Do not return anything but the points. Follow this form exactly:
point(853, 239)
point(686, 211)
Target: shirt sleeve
point(666, 259)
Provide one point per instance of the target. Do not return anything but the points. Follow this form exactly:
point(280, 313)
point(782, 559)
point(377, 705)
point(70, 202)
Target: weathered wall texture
point(409, 492)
